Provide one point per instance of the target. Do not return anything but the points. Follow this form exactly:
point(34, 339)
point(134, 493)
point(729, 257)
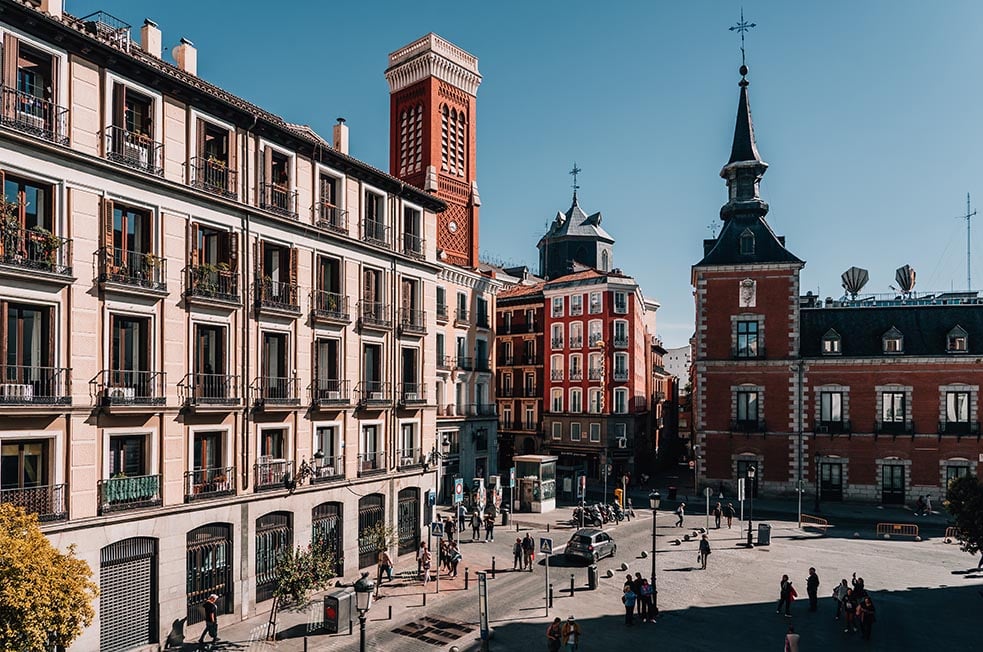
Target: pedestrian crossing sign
point(437, 529)
point(546, 545)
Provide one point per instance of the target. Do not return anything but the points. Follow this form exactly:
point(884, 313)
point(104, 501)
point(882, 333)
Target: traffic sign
point(458, 490)
point(692, 464)
point(582, 486)
point(546, 545)
point(437, 529)
point(740, 488)
point(431, 498)
point(512, 478)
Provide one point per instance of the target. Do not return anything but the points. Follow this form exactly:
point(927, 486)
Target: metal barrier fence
point(897, 529)
point(814, 522)
point(951, 535)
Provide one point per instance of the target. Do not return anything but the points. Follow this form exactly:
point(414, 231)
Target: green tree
point(964, 501)
point(303, 570)
point(45, 595)
point(379, 536)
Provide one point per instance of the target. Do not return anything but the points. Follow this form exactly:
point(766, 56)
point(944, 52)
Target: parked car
point(590, 544)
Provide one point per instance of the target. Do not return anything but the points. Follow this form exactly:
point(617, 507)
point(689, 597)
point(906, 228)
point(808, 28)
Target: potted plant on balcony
point(45, 244)
point(151, 269)
point(9, 229)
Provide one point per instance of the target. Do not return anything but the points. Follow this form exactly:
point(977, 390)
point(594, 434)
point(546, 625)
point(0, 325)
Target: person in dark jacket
point(704, 551)
point(729, 513)
point(785, 595)
point(812, 588)
point(717, 513)
point(554, 634)
point(517, 557)
point(866, 613)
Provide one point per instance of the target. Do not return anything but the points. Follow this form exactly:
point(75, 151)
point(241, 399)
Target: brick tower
point(432, 88)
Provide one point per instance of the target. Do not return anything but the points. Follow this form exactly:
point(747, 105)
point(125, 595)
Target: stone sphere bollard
point(644, 554)
point(623, 566)
point(609, 573)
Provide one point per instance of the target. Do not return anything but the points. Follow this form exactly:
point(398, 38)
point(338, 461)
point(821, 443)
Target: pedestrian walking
point(729, 513)
point(680, 512)
point(928, 505)
point(849, 611)
point(419, 558)
point(528, 551)
point(704, 551)
point(211, 621)
point(462, 517)
point(475, 526)
point(426, 560)
point(791, 640)
point(517, 563)
point(785, 592)
point(571, 634)
point(489, 529)
point(867, 615)
point(554, 636)
point(839, 594)
point(385, 566)
point(450, 527)
point(454, 556)
point(636, 588)
point(443, 559)
point(812, 588)
point(648, 611)
point(717, 513)
point(629, 598)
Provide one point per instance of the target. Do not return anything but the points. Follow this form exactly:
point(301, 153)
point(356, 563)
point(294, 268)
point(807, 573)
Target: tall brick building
point(870, 398)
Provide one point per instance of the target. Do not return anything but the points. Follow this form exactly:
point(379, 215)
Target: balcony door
point(129, 356)
point(327, 368)
point(272, 443)
point(831, 481)
point(409, 369)
point(27, 346)
point(127, 456)
point(329, 275)
point(372, 366)
point(131, 232)
point(210, 361)
point(208, 450)
point(275, 368)
point(33, 202)
point(23, 464)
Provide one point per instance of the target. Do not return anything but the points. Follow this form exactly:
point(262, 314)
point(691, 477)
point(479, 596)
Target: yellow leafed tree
point(45, 596)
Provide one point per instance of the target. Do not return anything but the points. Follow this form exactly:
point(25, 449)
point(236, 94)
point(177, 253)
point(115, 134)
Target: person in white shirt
point(791, 640)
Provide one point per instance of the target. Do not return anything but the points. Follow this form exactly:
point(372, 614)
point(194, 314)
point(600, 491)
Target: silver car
point(590, 544)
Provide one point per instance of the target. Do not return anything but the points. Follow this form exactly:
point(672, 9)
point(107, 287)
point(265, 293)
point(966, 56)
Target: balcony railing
point(441, 312)
point(413, 245)
point(48, 501)
point(595, 373)
point(209, 389)
point(135, 269)
point(505, 361)
point(209, 281)
point(122, 387)
point(374, 392)
point(507, 392)
point(134, 150)
point(270, 474)
point(620, 375)
point(332, 218)
point(329, 306)
point(576, 374)
point(557, 342)
point(481, 409)
point(959, 427)
point(413, 394)
point(620, 342)
point(556, 374)
point(747, 425)
point(277, 295)
point(594, 340)
point(326, 392)
point(276, 390)
point(214, 176)
point(412, 321)
point(445, 362)
point(532, 326)
point(482, 364)
point(369, 463)
point(481, 320)
point(374, 232)
point(34, 249)
point(834, 427)
point(124, 492)
point(374, 314)
point(21, 385)
point(461, 316)
point(209, 483)
point(328, 469)
point(465, 362)
point(894, 427)
point(278, 199)
point(530, 391)
point(409, 457)
point(531, 359)
point(33, 115)
point(576, 342)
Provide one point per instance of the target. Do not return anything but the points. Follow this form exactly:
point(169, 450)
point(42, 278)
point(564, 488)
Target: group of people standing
point(638, 596)
point(523, 553)
point(853, 602)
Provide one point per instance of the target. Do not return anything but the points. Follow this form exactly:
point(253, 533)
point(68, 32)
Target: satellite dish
point(905, 276)
point(854, 280)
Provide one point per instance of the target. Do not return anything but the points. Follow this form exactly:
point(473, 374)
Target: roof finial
point(741, 27)
point(575, 171)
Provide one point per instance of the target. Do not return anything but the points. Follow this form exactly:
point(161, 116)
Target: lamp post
point(818, 470)
point(363, 600)
point(654, 500)
point(750, 503)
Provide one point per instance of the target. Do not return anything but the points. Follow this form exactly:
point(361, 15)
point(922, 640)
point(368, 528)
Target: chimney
point(53, 8)
point(341, 136)
point(186, 57)
point(150, 38)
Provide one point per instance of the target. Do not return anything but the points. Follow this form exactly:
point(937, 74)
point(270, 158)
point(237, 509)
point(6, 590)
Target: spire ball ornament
point(743, 70)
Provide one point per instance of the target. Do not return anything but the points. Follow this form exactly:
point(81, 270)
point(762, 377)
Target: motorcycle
point(617, 513)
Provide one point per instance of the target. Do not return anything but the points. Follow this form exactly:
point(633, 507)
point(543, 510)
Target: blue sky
point(868, 113)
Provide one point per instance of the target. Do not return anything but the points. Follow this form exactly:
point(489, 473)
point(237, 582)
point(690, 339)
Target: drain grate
point(435, 631)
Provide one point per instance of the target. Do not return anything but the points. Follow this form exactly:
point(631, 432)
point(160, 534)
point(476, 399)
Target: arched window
point(605, 261)
point(327, 529)
point(209, 551)
point(371, 512)
point(747, 243)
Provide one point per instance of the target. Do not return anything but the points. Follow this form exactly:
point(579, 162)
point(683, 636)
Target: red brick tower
point(432, 88)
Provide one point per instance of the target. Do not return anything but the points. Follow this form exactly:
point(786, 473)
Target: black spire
point(744, 148)
point(745, 167)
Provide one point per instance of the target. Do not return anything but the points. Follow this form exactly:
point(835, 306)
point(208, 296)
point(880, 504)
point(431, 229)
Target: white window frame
point(576, 400)
point(557, 430)
point(556, 400)
point(227, 444)
point(622, 298)
point(596, 307)
point(575, 431)
point(620, 401)
point(288, 440)
point(576, 304)
point(556, 307)
point(595, 432)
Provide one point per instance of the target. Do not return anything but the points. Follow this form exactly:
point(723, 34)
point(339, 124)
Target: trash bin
point(764, 534)
point(592, 577)
point(672, 493)
point(505, 516)
point(338, 610)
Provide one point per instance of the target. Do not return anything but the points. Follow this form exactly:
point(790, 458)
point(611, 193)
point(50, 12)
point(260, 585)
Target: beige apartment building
point(219, 329)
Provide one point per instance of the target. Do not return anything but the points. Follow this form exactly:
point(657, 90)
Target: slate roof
point(744, 147)
point(577, 224)
point(924, 327)
point(726, 249)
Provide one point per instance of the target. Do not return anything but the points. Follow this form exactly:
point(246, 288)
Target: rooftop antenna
point(740, 28)
point(969, 220)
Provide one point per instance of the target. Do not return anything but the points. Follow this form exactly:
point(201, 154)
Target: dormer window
point(957, 341)
point(831, 343)
point(893, 341)
point(747, 243)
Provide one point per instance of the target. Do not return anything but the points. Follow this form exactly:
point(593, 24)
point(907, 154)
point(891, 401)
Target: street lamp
point(654, 500)
point(818, 469)
point(750, 503)
point(363, 600)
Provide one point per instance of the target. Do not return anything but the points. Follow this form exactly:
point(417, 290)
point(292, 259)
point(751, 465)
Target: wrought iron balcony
point(277, 295)
point(412, 394)
point(22, 385)
point(329, 307)
point(374, 393)
point(332, 218)
point(413, 245)
point(374, 314)
point(481, 321)
point(481, 409)
point(959, 427)
point(465, 362)
point(413, 322)
point(620, 342)
point(202, 484)
point(129, 492)
point(328, 469)
point(201, 390)
point(556, 342)
point(462, 316)
point(212, 282)
point(269, 474)
point(894, 427)
point(507, 392)
point(594, 340)
point(838, 427)
point(35, 249)
point(620, 375)
point(328, 392)
point(445, 362)
point(214, 176)
point(279, 199)
point(556, 374)
point(530, 391)
point(505, 361)
point(374, 232)
point(134, 150)
point(407, 458)
point(442, 312)
point(595, 373)
point(747, 425)
point(34, 116)
point(576, 342)
point(123, 387)
point(531, 359)
point(482, 364)
point(371, 463)
point(275, 391)
point(132, 269)
point(576, 374)
point(47, 501)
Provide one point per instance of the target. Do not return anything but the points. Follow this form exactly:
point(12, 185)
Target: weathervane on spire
point(741, 27)
point(575, 171)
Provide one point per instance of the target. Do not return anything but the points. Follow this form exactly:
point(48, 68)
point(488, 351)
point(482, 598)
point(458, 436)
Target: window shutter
point(233, 161)
point(232, 247)
point(119, 105)
point(267, 173)
point(201, 140)
point(258, 256)
point(6, 336)
point(368, 286)
point(407, 298)
point(294, 262)
point(193, 233)
point(107, 223)
point(10, 55)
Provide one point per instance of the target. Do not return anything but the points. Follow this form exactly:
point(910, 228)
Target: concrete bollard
point(551, 596)
point(493, 566)
point(609, 573)
point(466, 578)
point(572, 577)
point(623, 566)
point(644, 554)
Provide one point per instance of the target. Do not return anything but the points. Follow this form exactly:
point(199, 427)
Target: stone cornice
point(432, 56)
point(466, 278)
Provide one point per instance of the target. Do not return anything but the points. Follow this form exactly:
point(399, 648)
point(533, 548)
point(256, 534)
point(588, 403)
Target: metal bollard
point(466, 578)
point(571, 584)
point(305, 644)
point(424, 598)
point(493, 567)
point(547, 527)
point(551, 596)
point(350, 624)
point(390, 618)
